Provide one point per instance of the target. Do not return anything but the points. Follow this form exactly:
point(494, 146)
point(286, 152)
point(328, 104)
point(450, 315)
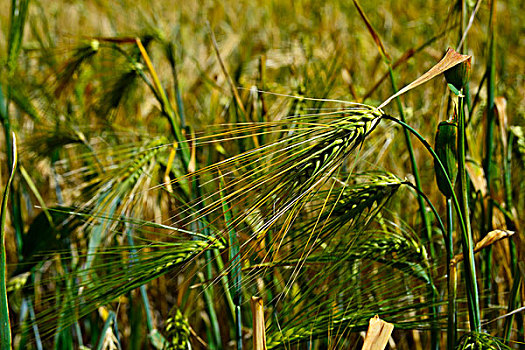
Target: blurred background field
point(128, 136)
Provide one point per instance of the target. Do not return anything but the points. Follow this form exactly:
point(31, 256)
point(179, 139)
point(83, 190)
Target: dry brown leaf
point(491, 238)
point(477, 176)
point(451, 59)
point(378, 334)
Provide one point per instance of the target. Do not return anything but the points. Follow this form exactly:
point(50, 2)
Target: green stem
point(464, 222)
point(143, 292)
point(167, 108)
point(451, 280)
point(38, 341)
point(462, 30)
point(516, 273)
point(5, 327)
point(16, 214)
point(489, 142)
point(225, 284)
point(202, 225)
point(510, 209)
point(215, 340)
point(178, 96)
point(235, 261)
point(467, 241)
point(514, 296)
point(491, 69)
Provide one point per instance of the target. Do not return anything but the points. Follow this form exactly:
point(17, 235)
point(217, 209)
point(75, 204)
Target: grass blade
point(5, 327)
point(235, 261)
point(18, 18)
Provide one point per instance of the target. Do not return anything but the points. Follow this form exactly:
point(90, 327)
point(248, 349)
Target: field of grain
point(168, 167)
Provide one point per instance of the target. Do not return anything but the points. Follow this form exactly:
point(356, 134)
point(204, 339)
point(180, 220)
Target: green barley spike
point(481, 341)
point(133, 170)
point(347, 134)
point(177, 331)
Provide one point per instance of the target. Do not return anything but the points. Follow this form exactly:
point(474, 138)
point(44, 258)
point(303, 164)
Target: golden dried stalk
point(378, 334)
point(259, 333)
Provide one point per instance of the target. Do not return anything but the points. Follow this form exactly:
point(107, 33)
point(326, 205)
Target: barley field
point(262, 174)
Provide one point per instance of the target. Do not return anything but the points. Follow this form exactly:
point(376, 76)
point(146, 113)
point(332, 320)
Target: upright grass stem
point(489, 141)
point(14, 197)
point(178, 95)
point(514, 297)
point(38, 341)
point(166, 106)
point(17, 20)
point(5, 327)
point(445, 145)
point(510, 219)
point(462, 45)
point(143, 291)
point(451, 279)
point(215, 334)
point(235, 261)
point(467, 240)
